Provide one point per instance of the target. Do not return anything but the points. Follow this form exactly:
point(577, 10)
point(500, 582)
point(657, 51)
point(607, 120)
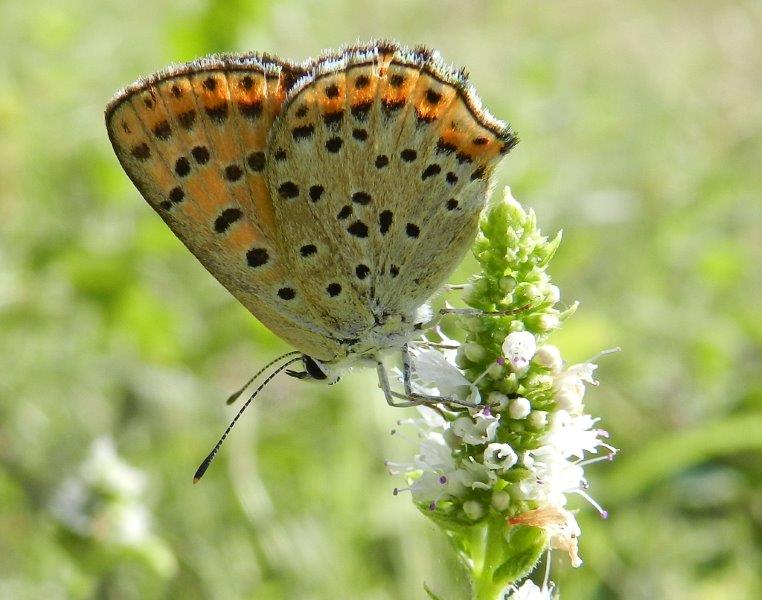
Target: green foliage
point(640, 138)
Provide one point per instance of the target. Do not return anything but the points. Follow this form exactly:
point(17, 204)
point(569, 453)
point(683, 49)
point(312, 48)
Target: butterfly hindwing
point(447, 151)
point(316, 170)
point(402, 154)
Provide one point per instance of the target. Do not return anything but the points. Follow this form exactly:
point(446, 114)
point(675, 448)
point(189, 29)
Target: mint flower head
point(497, 475)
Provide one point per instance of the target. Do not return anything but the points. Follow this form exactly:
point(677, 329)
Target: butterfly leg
point(407, 373)
point(411, 398)
point(383, 382)
point(475, 312)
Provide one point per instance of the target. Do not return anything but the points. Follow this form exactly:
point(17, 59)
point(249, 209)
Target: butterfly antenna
point(235, 395)
point(208, 460)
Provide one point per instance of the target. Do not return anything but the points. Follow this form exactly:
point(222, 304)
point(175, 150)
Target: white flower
point(479, 429)
point(519, 348)
point(452, 480)
point(500, 457)
point(570, 385)
point(519, 408)
point(529, 591)
point(553, 476)
point(573, 435)
point(433, 374)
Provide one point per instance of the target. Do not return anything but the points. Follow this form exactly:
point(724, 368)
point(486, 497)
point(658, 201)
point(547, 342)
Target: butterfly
point(332, 197)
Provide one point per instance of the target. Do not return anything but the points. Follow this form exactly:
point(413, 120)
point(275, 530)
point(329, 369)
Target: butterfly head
point(314, 370)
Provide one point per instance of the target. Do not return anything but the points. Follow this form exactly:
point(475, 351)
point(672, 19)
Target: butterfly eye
point(313, 368)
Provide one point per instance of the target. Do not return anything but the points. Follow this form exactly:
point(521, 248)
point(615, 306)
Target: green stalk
point(483, 578)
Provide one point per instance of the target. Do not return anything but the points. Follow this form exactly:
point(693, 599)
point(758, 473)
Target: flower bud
point(549, 356)
point(495, 371)
point(501, 500)
point(538, 419)
point(570, 398)
point(552, 293)
point(474, 352)
point(547, 322)
point(507, 284)
point(498, 401)
point(519, 408)
point(473, 509)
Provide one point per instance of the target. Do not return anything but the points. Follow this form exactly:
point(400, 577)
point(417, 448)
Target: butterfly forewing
point(195, 144)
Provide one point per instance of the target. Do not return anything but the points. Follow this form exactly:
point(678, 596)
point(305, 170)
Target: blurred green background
point(641, 129)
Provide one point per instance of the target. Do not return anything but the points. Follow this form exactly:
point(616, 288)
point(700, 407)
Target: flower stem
point(483, 584)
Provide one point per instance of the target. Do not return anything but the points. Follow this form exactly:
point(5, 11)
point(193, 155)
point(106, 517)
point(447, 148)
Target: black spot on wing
point(316, 191)
point(408, 155)
point(430, 171)
point(182, 166)
point(256, 161)
point(287, 293)
point(362, 198)
point(162, 130)
point(303, 132)
point(233, 172)
point(226, 219)
point(219, 113)
point(308, 250)
point(187, 119)
point(358, 229)
point(256, 257)
point(141, 151)
point(250, 110)
point(288, 190)
point(200, 154)
point(334, 144)
point(385, 221)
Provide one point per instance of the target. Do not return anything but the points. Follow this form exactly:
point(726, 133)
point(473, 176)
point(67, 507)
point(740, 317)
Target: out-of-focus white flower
point(529, 591)
point(519, 348)
point(569, 386)
point(104, 468)
point(500, 457)
point(103, 500)
point(519, 408)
